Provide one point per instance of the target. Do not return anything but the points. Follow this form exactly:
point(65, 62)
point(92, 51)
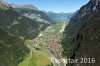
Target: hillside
point(15, 28)
point(12, 49)
point(32, 12)
point(82, 35)
point(19, 25)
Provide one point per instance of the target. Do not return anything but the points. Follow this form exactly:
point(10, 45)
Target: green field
point(35, 59)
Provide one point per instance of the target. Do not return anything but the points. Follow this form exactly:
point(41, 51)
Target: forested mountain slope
point(82, 34)
point(32, 12)
point(12, 49)
point(15, 28)
point(17, 24)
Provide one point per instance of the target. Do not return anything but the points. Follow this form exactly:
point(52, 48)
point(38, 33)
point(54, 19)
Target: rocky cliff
point(82, 35)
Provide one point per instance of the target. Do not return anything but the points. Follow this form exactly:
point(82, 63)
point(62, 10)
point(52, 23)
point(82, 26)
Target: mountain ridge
point(81, 36)
point(15, 28)
point(32, 13)
point(59, 16)
point(29, 6)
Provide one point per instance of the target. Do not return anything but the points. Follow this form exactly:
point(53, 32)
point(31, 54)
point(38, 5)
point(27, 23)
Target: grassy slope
point(36, 58)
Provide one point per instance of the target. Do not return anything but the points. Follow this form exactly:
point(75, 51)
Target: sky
point(57, 6)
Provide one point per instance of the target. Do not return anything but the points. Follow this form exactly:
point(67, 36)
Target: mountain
point(32, 12)
point(15, 28)
point(29, 6)
point(81, 36)
point(17, 24)
point(59, 16)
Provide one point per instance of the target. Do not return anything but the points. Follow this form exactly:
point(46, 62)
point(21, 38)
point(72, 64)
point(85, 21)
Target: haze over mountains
point(52, 15)
point(32, 12)
point(59, 16)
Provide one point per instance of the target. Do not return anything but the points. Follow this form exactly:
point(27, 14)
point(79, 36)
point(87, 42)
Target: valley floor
point(45, 50)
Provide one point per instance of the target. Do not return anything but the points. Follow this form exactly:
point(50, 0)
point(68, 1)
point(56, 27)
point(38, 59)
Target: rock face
point(82, 35)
